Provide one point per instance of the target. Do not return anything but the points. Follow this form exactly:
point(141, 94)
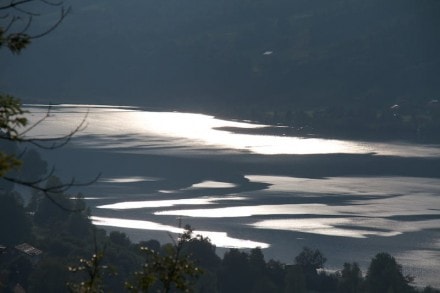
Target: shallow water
point(350, 199)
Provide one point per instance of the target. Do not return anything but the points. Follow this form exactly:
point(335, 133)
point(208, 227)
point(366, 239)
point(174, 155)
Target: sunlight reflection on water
point(372, 205)
point(213, 184)
point(166, 203)
point(372, 212)
point(187, 131)
point(248, 211)
point(349, 208)
point(220, 239)
point(128, 179)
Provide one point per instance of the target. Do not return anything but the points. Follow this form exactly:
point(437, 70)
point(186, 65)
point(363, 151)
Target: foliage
point(295, 280)
point(310, 260)
point(11, 116)
point(210, 55)
point(350, 279)
point(48, 275)
point(234, 274)
point(94, 272)
point(18, 17)
point(11, 211)
point(167, 271)
point(8, 162)
point(202, 251)
point(11, 119)
point(385, 275)
point(15, 22)
point(15, 42)
point(119, 238)
point(65, 237)
point(177, 266)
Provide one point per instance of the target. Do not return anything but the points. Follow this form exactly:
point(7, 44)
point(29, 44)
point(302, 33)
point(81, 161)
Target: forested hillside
point(330, 67)
point(204, 53)
point(53, 250)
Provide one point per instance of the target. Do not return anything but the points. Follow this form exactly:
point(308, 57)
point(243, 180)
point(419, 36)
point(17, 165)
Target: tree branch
point(56, 142)
point(13, 4)
point(17, 39)
point(48, 191)
point(64, 13)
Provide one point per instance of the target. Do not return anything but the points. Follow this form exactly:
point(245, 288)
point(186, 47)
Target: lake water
point(160, 170)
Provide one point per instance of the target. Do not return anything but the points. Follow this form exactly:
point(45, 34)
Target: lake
point(161, 170)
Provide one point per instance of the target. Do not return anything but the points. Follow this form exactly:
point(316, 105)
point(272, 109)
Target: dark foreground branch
point(18, 18)
point(50, 191)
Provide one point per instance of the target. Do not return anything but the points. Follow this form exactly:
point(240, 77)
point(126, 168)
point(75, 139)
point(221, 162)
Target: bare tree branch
point(27, 26)
point(13, 4)
point(11, 23)
point(54, 142)
point(38, 121)
point(64, 13)
point(59, 3)
point(16, 38)
point(22, 10)
point(11, 114)
point(11, 118)
point(49, 191)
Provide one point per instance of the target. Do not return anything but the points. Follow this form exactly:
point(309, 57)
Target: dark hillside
point(205, 54)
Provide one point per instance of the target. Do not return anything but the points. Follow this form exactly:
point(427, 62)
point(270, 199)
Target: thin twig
point(11, 22)
point(52, 3)
point(13, 4)
point(57, 142)
point(38, 122)
point(64, 13)
point(22, 10)
point(48, 191)
point(27, 26)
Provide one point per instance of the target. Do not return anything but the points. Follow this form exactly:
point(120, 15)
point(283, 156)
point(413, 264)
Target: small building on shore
point(30, 251)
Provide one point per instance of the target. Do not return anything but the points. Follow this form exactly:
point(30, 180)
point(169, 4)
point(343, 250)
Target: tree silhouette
point(350, 279)
point(310, 260)
point(168, 271)
point(385, 275)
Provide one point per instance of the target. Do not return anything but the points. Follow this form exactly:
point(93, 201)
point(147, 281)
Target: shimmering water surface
point(350, 199)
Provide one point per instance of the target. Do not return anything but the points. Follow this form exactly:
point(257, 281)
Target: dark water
point(349, 199)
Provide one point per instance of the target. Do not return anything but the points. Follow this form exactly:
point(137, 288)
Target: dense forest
point(49, 244)
point(56, 249)
point(346, 67)
point(357, 68)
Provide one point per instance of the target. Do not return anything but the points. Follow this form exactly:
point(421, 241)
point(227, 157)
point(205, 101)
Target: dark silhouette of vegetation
point(350, 278)
point(61, 238)
point(168, 270)
point(385, 275)
point(78, 257)
point(17, 18)
point(14, 126)
point(93, 271)
point(326, 67)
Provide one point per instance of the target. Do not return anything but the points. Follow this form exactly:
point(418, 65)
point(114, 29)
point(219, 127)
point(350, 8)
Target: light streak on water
point(375, 209)
point(219, 239)
point(128, 179)
point(372, 209)
point(181, 132)
point(166, 203)
point(247, 211)
point(213, 184)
